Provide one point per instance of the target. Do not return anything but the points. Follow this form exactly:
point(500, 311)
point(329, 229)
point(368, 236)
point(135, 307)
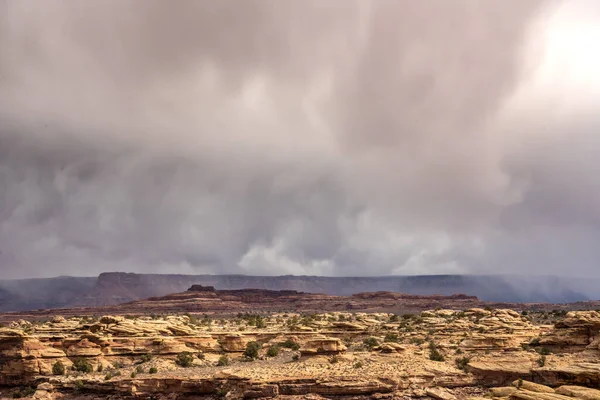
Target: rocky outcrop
point(577, 331)
point(322, 345)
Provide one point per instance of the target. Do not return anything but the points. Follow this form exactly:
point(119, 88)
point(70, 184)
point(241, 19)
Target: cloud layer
point(264, 137)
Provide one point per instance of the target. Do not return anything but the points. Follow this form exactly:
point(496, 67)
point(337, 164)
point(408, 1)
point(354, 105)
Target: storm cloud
point(307, 137)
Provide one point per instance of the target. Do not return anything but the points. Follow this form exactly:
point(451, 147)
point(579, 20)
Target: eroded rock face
point(577, 331)
point(323, 345)
point(329, 354)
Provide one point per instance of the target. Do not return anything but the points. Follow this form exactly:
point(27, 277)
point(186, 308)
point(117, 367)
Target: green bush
point(82, 365)
point(100, 368)
point(273, 351)
point(417, 340)
point(25, 392)
point(290, 344)
point(152, 370)
point(542, 361)
point(371, 342)
point(545, 351)
point(358, 365)
point(223, 361)
point(391, 337)
point(434, 353)
point(462, 362)
point(133, 374)
point(251, 351)
point(184, 359)
point(139, 369)
point(146, 357)
point(58, 368)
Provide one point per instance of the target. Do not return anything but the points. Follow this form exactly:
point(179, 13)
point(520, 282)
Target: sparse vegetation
point(434, 353)
point(185, 359)
point(251, 351)
point(290, 344)
point(223, 361)
point(391, 337)
point(58, 368)
point(541, 361)
point(273, 351)
point(24, 392)
point(146, 357)
point(371, 342)
point(544, 351)
point(82, 365)
point(462, 362)
point(152, 370)
point(358, 365)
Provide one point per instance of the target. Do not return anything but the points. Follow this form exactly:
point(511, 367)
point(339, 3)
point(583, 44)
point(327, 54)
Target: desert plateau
point(250, 343)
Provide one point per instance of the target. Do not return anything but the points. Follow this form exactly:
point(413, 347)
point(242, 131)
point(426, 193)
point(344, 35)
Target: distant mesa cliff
point(118, 287)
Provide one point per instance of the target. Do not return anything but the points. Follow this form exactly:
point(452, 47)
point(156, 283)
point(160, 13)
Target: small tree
point(58, 368)
point(371, 342)
point(391, 337)
point(290, 344)
point(462, 362)
point(223, 361)
point(82, 365)
point(273, 351)
point(434, 353)
point(185, 359)
point(251, 351)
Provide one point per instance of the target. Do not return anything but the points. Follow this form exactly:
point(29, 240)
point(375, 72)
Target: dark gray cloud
point(266, 137)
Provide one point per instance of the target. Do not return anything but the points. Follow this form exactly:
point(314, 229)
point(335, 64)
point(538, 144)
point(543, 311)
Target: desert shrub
point(462, 362)
point(133, 374)
point(334, 360)
point(117, 364)
point(358, 365)
point(394, 318)
point(371, 342)
point(251, 351)
point(273, 351)
point(434, 353)
point(82, 365)
point(99, 368)
point(146, 357)
point(152, 370)
point(139, 369)
point(519, 383)
point(290, 344)
point(184, 359)
point(458, 351)
point(416, 340)
point(391, 337)
point(108, 376)
point(24, 392)
point(295, 357)
point(58, 368)
point(535, 342)
point(545, 351)
point(201, 356)
point(541, 361)
point(223, 361)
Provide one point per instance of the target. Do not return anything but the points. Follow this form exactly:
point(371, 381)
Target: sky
point(265, 137)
